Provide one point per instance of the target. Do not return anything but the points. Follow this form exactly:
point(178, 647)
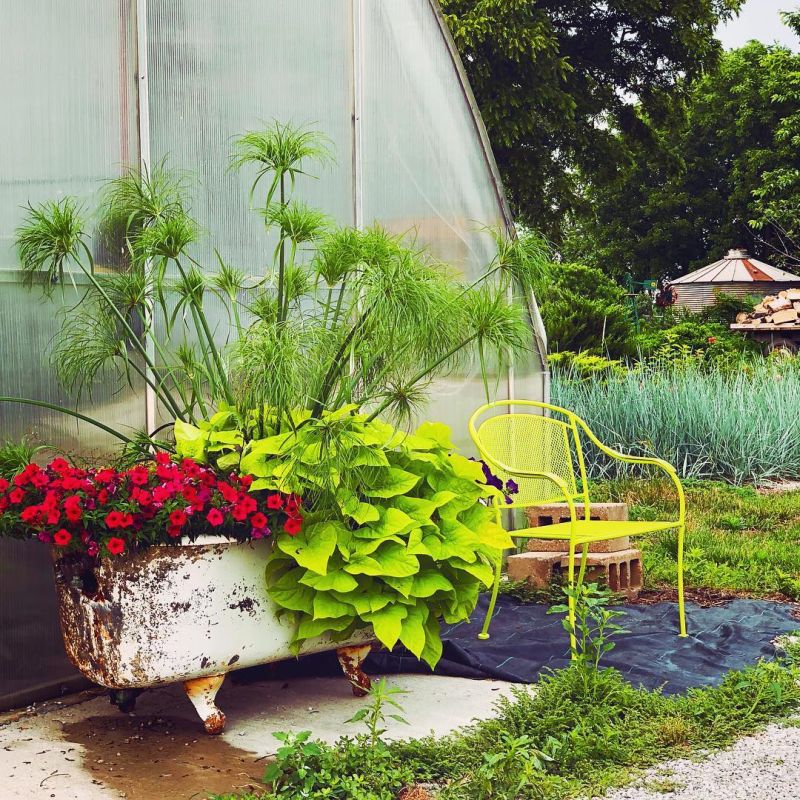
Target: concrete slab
point(90, 751)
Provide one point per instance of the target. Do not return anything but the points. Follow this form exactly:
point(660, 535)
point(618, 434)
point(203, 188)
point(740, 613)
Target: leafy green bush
point(585, 365)
point(702, 342)
point(395, 535)
point(584, 309)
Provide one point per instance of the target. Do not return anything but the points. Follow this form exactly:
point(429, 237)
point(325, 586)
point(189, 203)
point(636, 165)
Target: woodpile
point(780, 309)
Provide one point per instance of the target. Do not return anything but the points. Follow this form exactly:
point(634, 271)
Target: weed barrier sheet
point(525, 640)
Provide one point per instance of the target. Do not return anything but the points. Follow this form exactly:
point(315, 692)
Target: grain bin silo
point(737, 274)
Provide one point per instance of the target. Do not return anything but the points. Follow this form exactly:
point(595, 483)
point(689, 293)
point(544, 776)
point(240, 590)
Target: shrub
point(584, 309)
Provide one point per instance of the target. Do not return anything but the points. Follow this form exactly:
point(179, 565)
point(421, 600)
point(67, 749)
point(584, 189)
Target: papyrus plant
point(339, 316)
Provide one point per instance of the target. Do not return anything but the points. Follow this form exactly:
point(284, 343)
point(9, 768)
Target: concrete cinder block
point(622, 570)
point(554, 513)
point(535, 568)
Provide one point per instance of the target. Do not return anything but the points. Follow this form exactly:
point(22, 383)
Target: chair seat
point(595, 530)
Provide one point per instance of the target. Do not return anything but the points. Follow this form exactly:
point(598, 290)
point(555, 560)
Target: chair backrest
point(533, 442)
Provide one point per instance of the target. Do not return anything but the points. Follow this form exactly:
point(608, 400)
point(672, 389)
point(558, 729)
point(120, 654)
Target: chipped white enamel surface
point(175, 613)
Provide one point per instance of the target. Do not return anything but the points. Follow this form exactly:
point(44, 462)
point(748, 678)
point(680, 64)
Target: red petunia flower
point(114, 520)
point(275, 501)
point(102, 496)
point(178, 517)
point(215, 517)
point(3, 484)
point(173, 531)
point(246, 481)
point(258, 520)
point(62, 537)
point(92, 549)
point(59, 465)
point(126, 520)
point(105, 476)
point(161, 494)
point(139, 476)
point(163, 458)
point(293, 526)
point(229, 494)
point(53, 516)
point(40, 480)
point(115, 546)
point(30, 514)
point(16, 496)
point(73, 513)
point(239, 512)
point(248, 503)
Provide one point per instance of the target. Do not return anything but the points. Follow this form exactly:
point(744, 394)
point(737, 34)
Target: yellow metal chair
point(542, 454)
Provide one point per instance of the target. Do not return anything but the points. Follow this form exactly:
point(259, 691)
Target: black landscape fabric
point(525, 640)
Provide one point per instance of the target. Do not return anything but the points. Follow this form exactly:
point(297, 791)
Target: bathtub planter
point(186, 613)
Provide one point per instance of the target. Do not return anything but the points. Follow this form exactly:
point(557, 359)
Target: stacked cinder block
point(614, 559)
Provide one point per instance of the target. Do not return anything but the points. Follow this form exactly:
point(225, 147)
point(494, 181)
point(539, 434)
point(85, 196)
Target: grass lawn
point(737, 539)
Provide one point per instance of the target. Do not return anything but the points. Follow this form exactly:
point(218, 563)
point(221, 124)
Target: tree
point(777, 199)
point(723, 157)
point(557, 79)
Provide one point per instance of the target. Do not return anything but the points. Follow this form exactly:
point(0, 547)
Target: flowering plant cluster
point(109, 512)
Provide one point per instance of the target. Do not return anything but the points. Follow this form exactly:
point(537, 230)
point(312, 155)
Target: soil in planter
point(169, 758)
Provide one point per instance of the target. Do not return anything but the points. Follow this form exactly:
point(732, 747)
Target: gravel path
point(761, 767)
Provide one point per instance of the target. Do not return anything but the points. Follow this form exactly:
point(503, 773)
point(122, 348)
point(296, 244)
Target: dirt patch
point(161, 758)
point(706, 598)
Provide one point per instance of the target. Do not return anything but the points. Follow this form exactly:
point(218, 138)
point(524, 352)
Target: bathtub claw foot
point(124, 699)
point(202, 692)
point(350, 659)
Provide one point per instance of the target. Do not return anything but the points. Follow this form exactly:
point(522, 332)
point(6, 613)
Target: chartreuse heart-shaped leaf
point(429, 582)
point(338, 581)
point(290, 594)
point(313, 546)
point(366, 602)
point(387, 623)
point(438, 432)
point(326, 606)
point(391, 482)
point(309, 628)
point(401, 585)
point(395, 561)
point(190, 441)
point(432, 651)
point(391, 522)
point(412, 629)
point(363, 565)
point(483, 572)
point(352, 507)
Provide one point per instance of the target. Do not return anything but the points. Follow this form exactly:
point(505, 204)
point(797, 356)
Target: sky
point(759, 20)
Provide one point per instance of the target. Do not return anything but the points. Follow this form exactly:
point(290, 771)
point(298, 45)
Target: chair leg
point(484, 634)
point(571, 575)
point(681, 608)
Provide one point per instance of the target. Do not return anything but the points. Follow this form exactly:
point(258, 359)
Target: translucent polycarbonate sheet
point(29, 323)
point(217, 70)
point(67, 104)
point(425, 171)
point(424, 168)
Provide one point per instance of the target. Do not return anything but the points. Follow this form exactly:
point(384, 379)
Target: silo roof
point(738, 267)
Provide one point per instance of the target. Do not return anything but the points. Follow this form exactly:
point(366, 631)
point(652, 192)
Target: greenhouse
point(91, 88)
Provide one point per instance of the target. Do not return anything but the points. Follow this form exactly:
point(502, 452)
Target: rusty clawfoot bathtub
point(186, 613)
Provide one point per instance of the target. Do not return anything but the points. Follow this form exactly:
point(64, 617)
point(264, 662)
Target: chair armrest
point(655, 462)
point(609, 451)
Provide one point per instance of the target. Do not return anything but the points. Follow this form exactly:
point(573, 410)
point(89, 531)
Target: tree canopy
point(557, 80)
point(727, 157)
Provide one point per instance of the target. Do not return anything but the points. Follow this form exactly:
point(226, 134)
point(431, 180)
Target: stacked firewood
point(780, 309)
